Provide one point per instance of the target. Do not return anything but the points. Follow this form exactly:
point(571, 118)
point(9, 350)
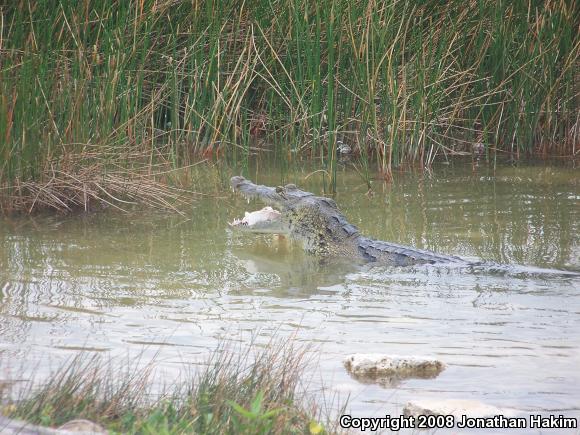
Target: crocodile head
point(312, 220)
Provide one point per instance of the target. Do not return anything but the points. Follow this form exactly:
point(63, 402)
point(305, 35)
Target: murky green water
point(110, 283)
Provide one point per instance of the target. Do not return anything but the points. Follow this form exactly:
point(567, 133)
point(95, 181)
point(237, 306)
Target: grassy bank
point(254, 392)
point(170, 81)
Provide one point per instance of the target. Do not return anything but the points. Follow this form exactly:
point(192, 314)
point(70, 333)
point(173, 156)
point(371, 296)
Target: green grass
point(400, 82)
point(256, 391)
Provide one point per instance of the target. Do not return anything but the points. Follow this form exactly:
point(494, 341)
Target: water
point(173, 285)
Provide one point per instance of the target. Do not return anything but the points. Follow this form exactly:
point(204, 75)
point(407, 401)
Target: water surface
point(175, 285)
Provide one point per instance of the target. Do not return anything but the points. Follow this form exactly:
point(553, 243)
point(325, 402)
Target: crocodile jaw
point(268, 195)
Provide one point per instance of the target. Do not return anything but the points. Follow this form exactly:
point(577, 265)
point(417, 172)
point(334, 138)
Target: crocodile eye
point(281, 191)
point(330, 202)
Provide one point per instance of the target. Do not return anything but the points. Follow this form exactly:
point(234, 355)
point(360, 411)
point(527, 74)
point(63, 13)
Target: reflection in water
point(295, 272)
point(112, 283)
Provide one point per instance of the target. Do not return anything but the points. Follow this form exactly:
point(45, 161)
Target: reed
point(251, 390)
point(91, 180)
point(399, 82)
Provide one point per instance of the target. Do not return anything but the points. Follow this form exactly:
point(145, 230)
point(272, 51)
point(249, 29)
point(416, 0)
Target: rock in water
point(390, 370)
point(456, 407)
point(10, 426)
point(80, 426)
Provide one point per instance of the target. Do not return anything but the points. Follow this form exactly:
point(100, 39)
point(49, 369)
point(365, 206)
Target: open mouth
point(266, 220)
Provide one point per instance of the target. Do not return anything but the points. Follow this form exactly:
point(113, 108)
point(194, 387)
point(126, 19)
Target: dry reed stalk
point(72, 184)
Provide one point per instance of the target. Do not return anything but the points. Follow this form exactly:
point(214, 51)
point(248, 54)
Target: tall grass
point(399, 81)
point(255, 391)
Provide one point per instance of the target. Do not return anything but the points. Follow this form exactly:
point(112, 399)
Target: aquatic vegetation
point(393, 82)
point(255, 391)
point(84, 182)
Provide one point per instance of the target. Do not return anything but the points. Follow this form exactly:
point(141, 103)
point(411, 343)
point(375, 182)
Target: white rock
point(81, 426)
point(456, 407)
point(74, 427)
point(376, 365)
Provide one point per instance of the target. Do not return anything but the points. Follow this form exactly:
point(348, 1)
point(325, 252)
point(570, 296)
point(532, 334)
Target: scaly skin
point(323, 230)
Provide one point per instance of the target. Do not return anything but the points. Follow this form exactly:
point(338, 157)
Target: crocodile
point(321, 228)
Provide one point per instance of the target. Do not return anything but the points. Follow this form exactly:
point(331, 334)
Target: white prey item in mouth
point(265, 220)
